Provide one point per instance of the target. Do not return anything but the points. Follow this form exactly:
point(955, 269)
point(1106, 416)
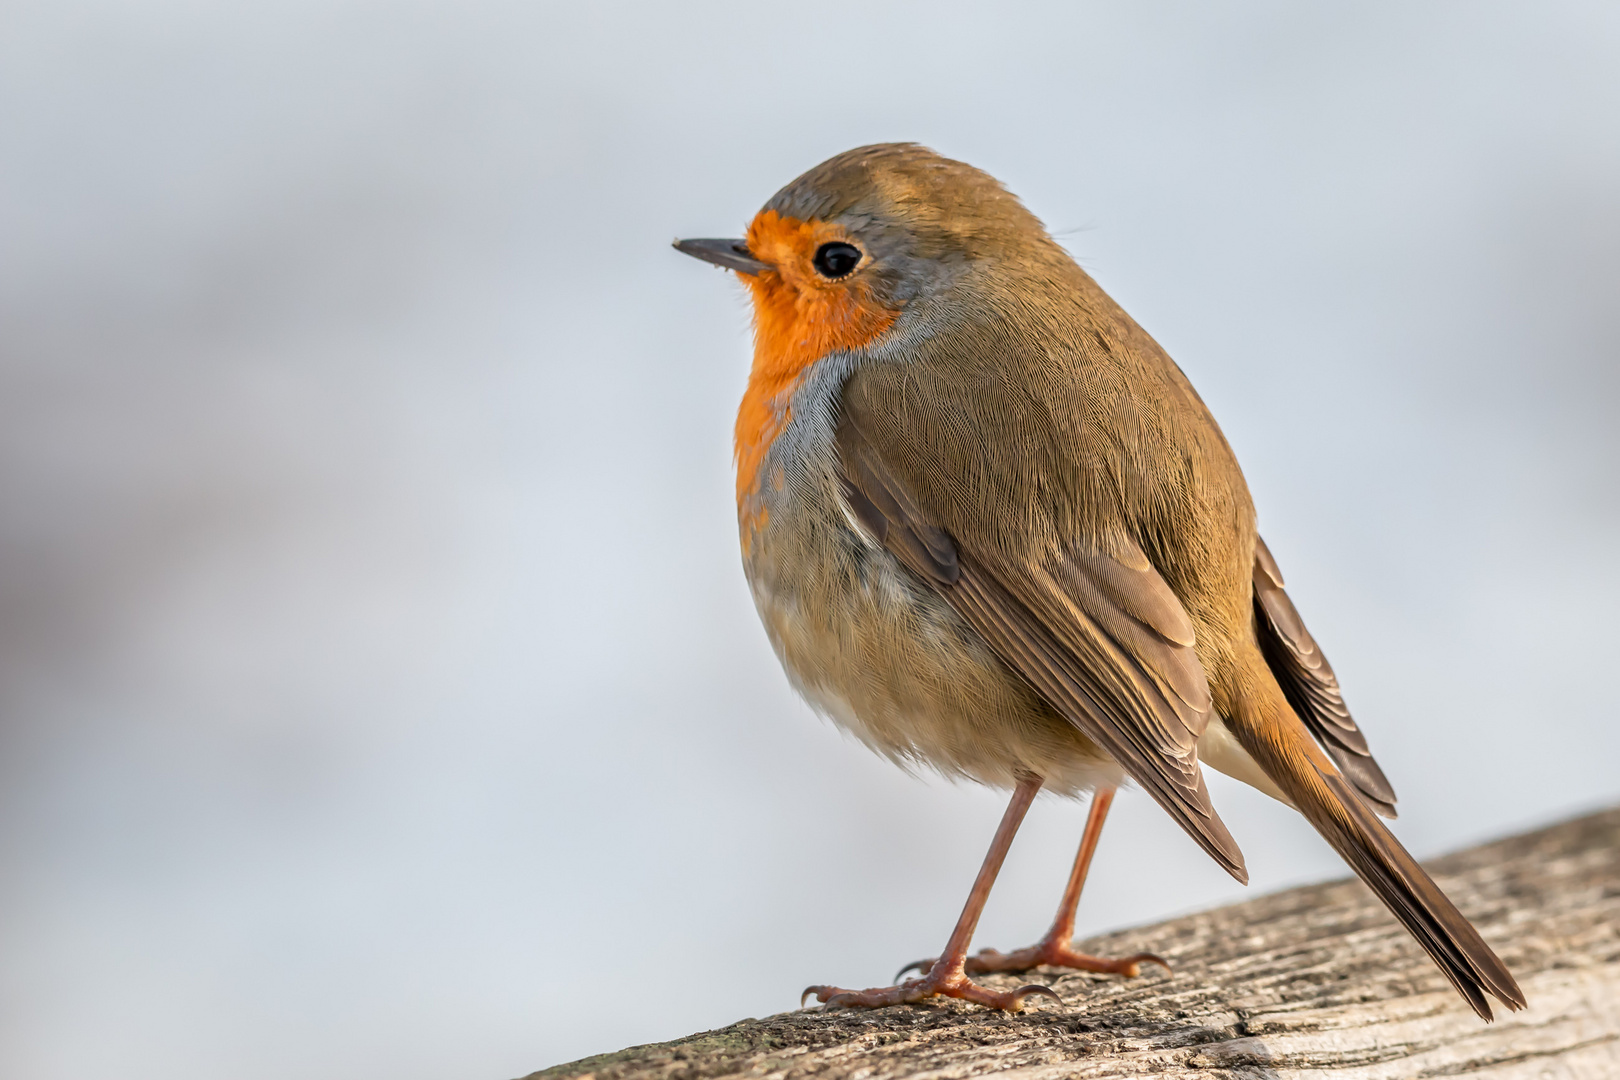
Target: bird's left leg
point(945, 975)
point(1055, 949)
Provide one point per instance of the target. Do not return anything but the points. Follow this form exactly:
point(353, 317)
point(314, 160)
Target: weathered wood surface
point(1316, 979)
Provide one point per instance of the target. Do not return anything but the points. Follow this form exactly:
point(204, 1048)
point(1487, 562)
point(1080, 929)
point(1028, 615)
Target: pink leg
point(1054, 949)
point(946, 975)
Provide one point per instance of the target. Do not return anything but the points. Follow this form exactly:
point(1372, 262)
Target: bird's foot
point(937, 982)
point(1049, 953)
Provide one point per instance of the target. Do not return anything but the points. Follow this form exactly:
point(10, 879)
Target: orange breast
point(799, 317)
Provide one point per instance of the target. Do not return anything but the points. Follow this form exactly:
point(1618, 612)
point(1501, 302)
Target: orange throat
point(799, 317)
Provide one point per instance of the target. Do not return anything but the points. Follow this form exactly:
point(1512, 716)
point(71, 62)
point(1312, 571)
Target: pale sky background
point(379, 691)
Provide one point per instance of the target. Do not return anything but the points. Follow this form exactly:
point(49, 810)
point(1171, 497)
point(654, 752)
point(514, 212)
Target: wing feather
point(1101, 638)
point(1308, 682)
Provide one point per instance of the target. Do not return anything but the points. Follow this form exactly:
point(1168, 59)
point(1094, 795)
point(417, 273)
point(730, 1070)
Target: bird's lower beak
point(731, 254)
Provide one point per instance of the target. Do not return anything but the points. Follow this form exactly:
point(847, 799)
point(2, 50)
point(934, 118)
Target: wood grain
point(1316, 979)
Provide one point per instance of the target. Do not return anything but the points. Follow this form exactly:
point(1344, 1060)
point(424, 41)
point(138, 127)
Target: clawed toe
point(930, 985)
point(1131, 966)
point(915, 965)
point(1034, 990)
point(1051, 954)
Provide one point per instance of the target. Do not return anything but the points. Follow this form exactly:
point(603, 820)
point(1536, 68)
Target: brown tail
point(1286, 752)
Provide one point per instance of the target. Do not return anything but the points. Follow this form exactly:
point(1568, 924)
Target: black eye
point(837, 259)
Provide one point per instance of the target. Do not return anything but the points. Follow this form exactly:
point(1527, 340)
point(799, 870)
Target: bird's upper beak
point(731, 254)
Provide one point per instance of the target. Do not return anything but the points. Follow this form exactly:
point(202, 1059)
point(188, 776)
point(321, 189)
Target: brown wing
point(1310, 685)
point(1097, 633)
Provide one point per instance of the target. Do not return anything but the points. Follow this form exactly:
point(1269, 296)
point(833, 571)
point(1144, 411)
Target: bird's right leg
point(1055, 949)
point(946, 975)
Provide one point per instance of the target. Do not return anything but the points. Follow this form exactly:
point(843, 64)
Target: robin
point(991, 528)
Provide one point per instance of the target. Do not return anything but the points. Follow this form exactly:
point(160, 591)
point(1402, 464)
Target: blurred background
point(379, 691)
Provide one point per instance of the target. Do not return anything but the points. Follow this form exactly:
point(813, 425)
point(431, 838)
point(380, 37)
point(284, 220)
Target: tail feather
point(1408, 891)
point(1330, 804)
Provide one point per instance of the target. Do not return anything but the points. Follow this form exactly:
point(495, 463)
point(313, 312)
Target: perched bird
point(991, 528)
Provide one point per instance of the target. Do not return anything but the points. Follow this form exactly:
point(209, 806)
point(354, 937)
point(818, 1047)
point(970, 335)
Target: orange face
point(800, 315)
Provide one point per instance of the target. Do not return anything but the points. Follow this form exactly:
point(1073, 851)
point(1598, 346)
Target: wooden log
point(1314, 979)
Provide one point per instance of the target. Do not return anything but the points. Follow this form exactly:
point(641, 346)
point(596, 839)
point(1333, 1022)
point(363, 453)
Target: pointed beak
point(731, 254)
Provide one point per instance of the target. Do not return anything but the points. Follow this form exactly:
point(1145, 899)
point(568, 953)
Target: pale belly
point(887, 659)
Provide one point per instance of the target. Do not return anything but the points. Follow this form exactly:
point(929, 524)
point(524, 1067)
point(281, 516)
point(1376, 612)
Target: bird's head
point(834, 257)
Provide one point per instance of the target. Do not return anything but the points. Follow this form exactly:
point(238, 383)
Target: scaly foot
point(1050, 953)
point(946, 982)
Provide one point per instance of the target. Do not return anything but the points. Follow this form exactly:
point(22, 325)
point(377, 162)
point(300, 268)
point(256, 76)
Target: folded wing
point(1309, 684)
point(1098, 633)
